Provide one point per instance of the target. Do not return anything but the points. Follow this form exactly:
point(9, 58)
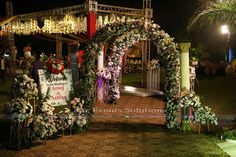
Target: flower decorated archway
point(126, 34)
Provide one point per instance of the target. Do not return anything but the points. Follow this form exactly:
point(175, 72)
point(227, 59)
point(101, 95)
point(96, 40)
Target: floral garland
point(55, 66)
point(169, 55)
point(114, 83)
point(23, 87)
point(201, 115)
point(104, 73)
point(153, 64)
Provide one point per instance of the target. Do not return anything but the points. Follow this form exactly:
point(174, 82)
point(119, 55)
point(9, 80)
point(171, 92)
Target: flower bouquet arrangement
point(204, 115)
point(46, 108)
point(44, 123)
point(198, 114)
point(23, 87)
point(44, 126)
point(81, 114)
point(153, 64)
point(20, 110)
point(201, 115)
point(65, 119)
point(55, 66)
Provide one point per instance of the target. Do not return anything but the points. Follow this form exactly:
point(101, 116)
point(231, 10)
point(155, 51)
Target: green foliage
point(229, 134)
point(213, 13)
point(196, 53)
point(172, 107)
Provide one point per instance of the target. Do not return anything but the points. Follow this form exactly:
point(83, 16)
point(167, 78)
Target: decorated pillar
point(184, 65)
point(73, 59)
point(91, 24)
point(100, 65)
point(91, 6)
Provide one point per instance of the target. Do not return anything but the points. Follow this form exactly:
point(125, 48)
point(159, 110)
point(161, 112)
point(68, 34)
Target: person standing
point(37, 64)
point(73, 63)
point(27, 51)
point(13, 58)
point(3, 68)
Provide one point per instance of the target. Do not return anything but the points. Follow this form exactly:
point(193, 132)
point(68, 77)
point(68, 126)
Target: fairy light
point(68, 24)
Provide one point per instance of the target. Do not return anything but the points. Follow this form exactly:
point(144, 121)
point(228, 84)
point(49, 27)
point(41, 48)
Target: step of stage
point(140, 91)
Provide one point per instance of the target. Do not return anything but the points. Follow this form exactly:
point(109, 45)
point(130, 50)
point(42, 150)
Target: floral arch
point(125, 35)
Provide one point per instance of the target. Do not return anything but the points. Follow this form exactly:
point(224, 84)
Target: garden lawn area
point(4, 91)
point(219, 93)
point(135, 79)
point(132, 79)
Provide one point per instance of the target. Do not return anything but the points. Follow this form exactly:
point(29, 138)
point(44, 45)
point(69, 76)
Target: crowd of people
point(28, 63)
point(220, 68)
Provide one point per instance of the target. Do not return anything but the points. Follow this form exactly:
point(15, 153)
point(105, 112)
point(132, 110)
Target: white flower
point(67, 110)
point(25, 77)
point(77, 99)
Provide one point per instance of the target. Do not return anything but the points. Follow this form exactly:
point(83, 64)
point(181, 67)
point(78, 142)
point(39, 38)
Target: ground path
point(119, 131)
point(132, 109)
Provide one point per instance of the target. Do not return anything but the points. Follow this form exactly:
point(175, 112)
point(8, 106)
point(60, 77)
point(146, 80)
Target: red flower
point(55, 66)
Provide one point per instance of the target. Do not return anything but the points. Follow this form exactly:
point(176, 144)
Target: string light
point(67, 24)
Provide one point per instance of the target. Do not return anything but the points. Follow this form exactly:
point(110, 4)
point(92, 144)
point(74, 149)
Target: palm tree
point(214, 13)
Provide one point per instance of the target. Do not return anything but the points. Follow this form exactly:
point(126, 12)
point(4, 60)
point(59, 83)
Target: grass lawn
point(135, 79)
point(4, 91)
point(132, 79)
point(219, 93)
point(126, 140)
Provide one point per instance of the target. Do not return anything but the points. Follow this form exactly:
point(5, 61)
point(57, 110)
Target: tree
point(213, 13)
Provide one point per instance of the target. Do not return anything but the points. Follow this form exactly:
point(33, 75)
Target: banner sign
point(57, 87)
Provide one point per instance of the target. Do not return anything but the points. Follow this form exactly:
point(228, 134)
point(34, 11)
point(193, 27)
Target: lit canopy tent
point(66, 20)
